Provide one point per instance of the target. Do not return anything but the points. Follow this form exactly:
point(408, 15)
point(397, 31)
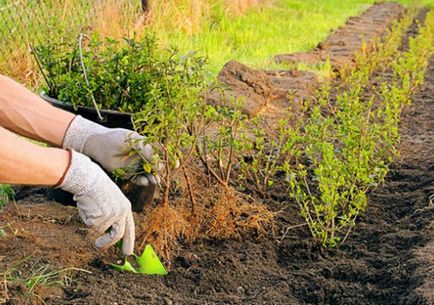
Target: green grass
point(253, 39)
point(6, 193)
point(30, 276)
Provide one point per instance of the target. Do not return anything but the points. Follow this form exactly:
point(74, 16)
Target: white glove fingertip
point(109, 239)
point(147, 150)
point(152, 179)
point(158, 179)
point(102, 241)
point(159, 166)
point(141, 180)
point(129, 237)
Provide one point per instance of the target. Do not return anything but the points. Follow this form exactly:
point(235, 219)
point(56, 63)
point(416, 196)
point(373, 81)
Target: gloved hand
point(111, 147)
point(100, 203)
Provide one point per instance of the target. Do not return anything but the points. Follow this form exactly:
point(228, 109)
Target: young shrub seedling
point(171, 121)
point(120, 73)
point(223, 144)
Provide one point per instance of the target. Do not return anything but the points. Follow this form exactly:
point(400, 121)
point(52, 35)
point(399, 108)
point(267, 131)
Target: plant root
point(163, 227)
point(232, 216)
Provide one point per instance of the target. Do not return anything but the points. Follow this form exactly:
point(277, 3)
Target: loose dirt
point(270, 93)
point(340, 47)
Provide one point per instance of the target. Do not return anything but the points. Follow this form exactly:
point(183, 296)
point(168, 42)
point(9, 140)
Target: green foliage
point(175, 112)
point(33, 277)
point(123, 75)
point(226, 37)
point(265, 155)
point(6, 193)
point(221, 144)
point(348, 142)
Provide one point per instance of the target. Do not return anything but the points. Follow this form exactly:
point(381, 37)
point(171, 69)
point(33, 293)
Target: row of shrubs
point(326, 157)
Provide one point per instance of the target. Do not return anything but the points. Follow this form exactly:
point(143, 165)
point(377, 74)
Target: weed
point(6, 193)
point(32, 278)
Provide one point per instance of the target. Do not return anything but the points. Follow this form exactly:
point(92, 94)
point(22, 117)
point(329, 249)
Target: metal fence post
point(145, 6)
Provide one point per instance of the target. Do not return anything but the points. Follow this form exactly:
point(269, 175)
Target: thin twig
point(190, 190)
point(289, 228)
point(80, 41)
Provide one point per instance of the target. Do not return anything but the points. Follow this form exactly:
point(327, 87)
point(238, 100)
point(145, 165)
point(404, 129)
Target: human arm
point(25, 113)
point(23, 162)
point(100, 203)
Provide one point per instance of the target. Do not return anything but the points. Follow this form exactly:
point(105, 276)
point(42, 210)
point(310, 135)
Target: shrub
point(122, 74)
point(347, 142)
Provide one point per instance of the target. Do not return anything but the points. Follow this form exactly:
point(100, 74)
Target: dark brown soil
point(388, 259)
point(340, 47)
point(270, 93)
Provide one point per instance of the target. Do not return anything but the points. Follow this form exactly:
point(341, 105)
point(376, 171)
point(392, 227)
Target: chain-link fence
point(27, 23)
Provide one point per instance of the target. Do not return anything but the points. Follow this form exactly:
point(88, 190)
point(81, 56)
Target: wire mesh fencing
point(27, 23)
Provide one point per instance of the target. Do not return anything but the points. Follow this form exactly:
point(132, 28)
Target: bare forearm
point(22, 162)
point(25, 113)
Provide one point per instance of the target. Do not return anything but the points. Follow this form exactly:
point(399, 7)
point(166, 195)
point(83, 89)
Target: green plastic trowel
point(148, 263)
point(125, 267)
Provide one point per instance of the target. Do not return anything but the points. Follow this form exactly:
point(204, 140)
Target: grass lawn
point(286, 26)
point(253, 38)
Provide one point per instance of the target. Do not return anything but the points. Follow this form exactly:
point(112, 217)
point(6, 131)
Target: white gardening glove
point(101, 204)
point(111, 147)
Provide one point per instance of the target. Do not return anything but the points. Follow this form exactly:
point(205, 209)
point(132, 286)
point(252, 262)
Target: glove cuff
point(79, 130)
point(79, 174)
point(59, 183)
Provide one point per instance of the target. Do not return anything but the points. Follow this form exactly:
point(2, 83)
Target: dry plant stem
point(166, 180)
point(190, 189)
point(202, 157)
point(80, 47)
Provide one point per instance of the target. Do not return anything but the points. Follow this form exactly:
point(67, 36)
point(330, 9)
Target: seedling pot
point(111, 118)
point(138, 195)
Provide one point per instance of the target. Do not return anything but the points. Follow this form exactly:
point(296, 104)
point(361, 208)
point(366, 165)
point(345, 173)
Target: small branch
point(80, 47)
point(190, 189)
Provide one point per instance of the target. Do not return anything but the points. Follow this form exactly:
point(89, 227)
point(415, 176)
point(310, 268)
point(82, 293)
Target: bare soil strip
point(341, 46)
point(270, 93)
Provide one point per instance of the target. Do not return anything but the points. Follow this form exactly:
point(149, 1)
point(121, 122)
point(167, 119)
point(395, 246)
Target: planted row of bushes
point(348, 142)
point(327, 157)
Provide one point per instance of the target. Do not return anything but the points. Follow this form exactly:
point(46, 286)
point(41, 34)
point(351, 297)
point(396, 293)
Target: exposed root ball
point(163, 226)
point(232, 216)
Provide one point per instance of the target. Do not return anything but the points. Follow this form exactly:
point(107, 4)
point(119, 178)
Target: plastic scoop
point(148, 263)
point(125, 267)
